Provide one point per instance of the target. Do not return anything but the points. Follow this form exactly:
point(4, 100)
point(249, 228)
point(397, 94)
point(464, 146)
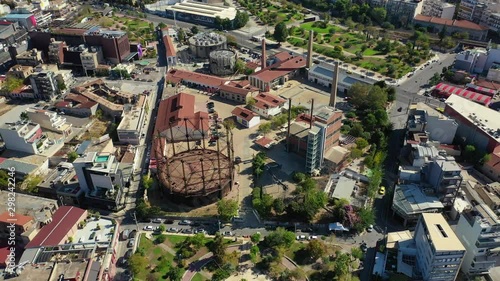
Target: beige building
point(91, 58)
point(20, 71)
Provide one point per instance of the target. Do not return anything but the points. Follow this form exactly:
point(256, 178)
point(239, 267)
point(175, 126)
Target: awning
point(481, 90)
point(448, 90)
point(337, 226)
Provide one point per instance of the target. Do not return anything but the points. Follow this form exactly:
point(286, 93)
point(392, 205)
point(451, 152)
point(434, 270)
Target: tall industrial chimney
point(263, 59)
point(310, 49)
point(335, 78)
point(312, 114)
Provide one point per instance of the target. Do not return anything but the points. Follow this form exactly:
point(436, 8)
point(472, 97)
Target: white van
point(125, 234)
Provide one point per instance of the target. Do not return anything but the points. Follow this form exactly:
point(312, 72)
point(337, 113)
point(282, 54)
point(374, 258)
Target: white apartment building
point(472, 61)
point(439, 252)
point(423, 118)
point(479, 232)
point(438, 9)
point(100, 178)
point(50, 120)
point(471, 10)
point(131, 127)
point(91, 58)
point(24, 136)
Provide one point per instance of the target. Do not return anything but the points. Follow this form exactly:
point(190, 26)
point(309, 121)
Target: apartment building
point(31, 57)
point(56, 52)
point(101, 179)
point(439, 252)
point(44, 85)
point(472, 10)
point(24, 136)
point(403, 11)
point(20, 71)
point(423, 118)
point(444, 176)
point(50, 120)
point(91, 58)
point(438, 9)
point(490, 194)
point(479, 231)
point(131, 126)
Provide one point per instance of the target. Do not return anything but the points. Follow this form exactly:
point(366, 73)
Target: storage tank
point(222, 62)
point(203, 43)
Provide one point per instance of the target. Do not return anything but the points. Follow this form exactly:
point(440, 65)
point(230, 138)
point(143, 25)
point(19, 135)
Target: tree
point(72, 156)
point(280, 32)
point(4, 179)
point(175, 273)
point(366, 217)
point(162, 228)
point(255, 237)
point(181, 35)
point(194, 29)
point(361, 143)
point(357, 253)
point(279, 206)
point(279, 238)
point(356, 153)
point(379, 14)
point(162, 25)
point(250, 101)
point(391, 94)
point(227, 209)
point(239, 66)
point(218, 22)
point(469, 153)
point(147, 181)
point(229, 124)
point(31, 183)
point(218, 248)
point(435, 79)
point(11, 83)
point(442, 33)
point(341, 264)
point(241, 19)
point(99, 114)
point(316, 249)
point(137, 263)
point(24, 116)
point(160, 238)
point(264, 128)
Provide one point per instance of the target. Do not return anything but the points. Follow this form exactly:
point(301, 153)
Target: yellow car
point(381, 190)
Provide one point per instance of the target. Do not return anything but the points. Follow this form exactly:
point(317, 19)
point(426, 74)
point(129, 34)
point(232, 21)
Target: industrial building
point(187, 144)
point(202, 44)
point(222, 62)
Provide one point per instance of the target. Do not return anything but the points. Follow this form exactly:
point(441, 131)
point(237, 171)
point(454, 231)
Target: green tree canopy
point(227, 209)
point(280, 32)
point(72, 156)
point(279, 238)
point(218, 248)
point(315, 249)
point(137, 263)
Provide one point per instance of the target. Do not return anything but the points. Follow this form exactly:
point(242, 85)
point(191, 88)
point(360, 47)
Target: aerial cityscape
point(238, 140)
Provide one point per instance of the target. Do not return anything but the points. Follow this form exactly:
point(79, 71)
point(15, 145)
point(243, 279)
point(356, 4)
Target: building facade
point(438, 9)
point(439, 251)
point(24, 136)
point(479, 232)
point(51, 121)
point(267, 105)
point(245, 117)
point(474, 30)
point(44, 85)
point(445, 177)
point(403, 11)
point(131, 126)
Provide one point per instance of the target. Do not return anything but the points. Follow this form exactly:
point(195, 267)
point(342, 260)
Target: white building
point(50, 120)
point(245, 117)
point(24, 136)
point(65, 77)
point(91, 58)
point(131, 127)
point(100, 178)
point(44, 85)
point(438, 9)
point(472, 61)
point(423, 118)
point(479, 231)
point(267, 105)
point(439, 251)
point(322, 74)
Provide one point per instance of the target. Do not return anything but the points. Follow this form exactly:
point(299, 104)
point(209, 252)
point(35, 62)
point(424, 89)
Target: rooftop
point(266, 100)
point(169, 45)
point(486, 119)
point(449, 90)
point(280, 69)
point(442, 236)
point(177, 75)
point(243, 113)
point(394, 237)
point(38, 207)
point(64, 219)
point(16, 218)
point(410, 200)
point(344, 188)
point(204, 10)
point(465, 24)
point(299, 130)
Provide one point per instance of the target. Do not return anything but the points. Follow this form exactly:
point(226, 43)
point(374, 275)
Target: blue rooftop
point(323, 71)
point(17, 16)
point(83, 146)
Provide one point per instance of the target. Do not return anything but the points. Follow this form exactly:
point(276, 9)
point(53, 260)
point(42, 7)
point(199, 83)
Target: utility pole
point(136, 224)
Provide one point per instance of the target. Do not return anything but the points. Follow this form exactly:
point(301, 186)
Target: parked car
point(313, 237)
point(301, 237)
point(228, 233)
point(128, 254)
point(148, 228)
point(157, 220)
point(132, 233)
point(169, 222)
point(173, 230)
point(187, 231)
point(381, 190)
point(131, 243)
point(370, 228)
point(185, 222)
point(125, 234)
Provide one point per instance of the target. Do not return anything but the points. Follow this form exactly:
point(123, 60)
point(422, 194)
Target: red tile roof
point(176, 108)
point(62, 104)
point(17, 219)
point(266, 100)
point(264, 142)
point(465, 24)
point(177, 75)
point(243, 113)
point(235, 90)
point(76, 98)
point(252, 65)
point(487, 84)
point(280, 69)
point(63, 220)
point(282, 56)
point(169, 45)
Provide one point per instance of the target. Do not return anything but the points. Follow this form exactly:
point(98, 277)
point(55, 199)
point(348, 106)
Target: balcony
point(487, 235)
point(488, 243)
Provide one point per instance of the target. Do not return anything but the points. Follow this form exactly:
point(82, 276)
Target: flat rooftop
point(102, 235)
point(485, 119)
point(70, 270)
point(393, 238)
point(410, 200)
point(38, 207)
point(205, 10)
point(131, 120)
point(442, 236)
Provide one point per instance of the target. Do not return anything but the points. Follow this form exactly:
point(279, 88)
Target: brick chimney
point(335, 78)
point(310, 49)
point(263, 59)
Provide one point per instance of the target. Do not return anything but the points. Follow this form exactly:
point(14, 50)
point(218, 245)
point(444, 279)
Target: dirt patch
point(97, 130)
point(4, 108)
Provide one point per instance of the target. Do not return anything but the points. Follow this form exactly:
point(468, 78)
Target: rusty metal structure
point(195, 161)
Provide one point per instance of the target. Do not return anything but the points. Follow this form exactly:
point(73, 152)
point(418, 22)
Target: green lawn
point(309, 26)
point(198, 277)
point(297, 246)
point(153, 254)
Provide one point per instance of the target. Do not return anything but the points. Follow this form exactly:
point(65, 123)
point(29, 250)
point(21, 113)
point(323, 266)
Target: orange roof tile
point(18, 219)
point(177, 75)
point(266, 100)
point(280, 69)
point(243, 113)
point(465, 24)
point(169, 45)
